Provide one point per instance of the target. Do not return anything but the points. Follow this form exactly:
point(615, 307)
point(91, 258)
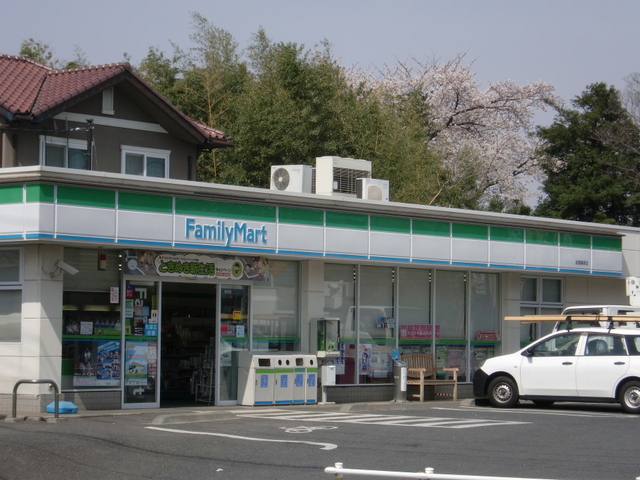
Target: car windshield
point(559, 345)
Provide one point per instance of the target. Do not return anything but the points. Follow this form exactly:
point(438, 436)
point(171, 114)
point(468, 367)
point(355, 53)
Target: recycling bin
point(311, 378)
point(284, 379)
point(256, 379)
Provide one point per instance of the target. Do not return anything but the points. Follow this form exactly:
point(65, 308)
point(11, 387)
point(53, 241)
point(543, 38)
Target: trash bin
point(256, 379)
point(399, 381)
point(284, 379)
point(311, 379)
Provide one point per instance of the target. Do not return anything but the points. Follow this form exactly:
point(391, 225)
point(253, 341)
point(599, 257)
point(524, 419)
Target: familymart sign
point(227, 233)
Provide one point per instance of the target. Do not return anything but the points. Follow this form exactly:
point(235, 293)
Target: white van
point(582, 364)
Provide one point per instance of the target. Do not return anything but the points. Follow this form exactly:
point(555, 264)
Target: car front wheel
point(503, 392)
point(630, 397)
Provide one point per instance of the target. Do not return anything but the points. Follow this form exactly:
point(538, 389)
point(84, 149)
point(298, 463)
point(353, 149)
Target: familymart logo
point(236, 232)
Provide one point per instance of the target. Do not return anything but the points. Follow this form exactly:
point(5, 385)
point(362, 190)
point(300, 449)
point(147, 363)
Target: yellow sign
point(237, 315)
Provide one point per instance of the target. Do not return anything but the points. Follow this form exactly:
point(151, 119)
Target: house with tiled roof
point(125, 283)
point(99, 118)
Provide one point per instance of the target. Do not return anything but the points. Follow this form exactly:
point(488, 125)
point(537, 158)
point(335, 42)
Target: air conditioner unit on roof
point(338, 175)
point(373, 189)
point(291, 178)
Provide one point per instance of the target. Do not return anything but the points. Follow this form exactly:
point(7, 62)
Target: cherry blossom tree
point(480, 134)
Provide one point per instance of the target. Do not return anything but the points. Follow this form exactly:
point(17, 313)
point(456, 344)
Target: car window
point(605, 344)
point(633, 344)
point(559, 346)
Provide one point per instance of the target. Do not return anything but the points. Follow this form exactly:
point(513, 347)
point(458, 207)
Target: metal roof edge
point(220, 192)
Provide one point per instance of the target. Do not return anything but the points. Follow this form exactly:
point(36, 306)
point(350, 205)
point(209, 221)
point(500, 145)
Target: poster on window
point(366, 351)
point(137, 363)
point(84, 366)
point(108, 364)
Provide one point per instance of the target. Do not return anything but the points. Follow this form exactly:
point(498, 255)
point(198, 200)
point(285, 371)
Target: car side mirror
point(528, 352)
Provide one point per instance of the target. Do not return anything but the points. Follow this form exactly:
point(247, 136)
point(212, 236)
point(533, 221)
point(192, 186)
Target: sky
point(567, 43)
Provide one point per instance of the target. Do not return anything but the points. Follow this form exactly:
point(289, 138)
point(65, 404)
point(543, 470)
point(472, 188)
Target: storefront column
point(312, 297)
point(41, 345)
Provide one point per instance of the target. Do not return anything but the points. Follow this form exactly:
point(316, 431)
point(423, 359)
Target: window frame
point(108, 97)
point(67, 143)
point(146, 153)
point(15, 285)
point(538, 307)
point(539, 303)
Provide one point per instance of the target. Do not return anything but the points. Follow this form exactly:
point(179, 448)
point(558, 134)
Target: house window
point(107, 101)
point(10, 295)
point(64, 153)
point(147, 162)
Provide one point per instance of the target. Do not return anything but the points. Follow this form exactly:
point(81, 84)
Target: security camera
point(65, 267)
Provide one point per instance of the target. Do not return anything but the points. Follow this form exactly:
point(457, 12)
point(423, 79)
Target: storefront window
point(377, 324)
point(450, 308)
point(275, 309)
point(10, 296)
point(141, 343)
point(485, 320)
point(414, 311)
point(339, 302)
point(91, 329)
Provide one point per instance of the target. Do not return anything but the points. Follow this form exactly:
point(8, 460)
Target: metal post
point(50, 382)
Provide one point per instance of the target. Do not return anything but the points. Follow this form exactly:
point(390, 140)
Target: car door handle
point(567, 363)
point(619, 363)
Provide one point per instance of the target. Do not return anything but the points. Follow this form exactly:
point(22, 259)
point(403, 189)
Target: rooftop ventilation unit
point(373, 189)
point(291, 178)
point(337, 175)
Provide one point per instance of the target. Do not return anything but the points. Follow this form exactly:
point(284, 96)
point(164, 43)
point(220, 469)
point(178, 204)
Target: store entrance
point(188, 341)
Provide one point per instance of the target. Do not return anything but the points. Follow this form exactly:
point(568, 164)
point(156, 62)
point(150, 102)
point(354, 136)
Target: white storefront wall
point(43, 226)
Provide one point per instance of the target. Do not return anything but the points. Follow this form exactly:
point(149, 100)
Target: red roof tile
point(28, 90)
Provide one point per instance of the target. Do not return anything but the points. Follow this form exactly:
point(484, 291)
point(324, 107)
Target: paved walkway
point(195, 413)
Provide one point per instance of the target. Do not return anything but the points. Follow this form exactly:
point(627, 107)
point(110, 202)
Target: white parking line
point(373, 419)
point(538, 412)
point(324, 446)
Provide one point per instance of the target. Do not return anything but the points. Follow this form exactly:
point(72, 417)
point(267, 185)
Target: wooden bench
point(421, 371)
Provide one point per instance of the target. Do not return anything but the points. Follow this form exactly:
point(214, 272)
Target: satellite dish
point(281, 178)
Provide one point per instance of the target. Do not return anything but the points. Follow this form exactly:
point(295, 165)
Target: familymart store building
point(131, 292)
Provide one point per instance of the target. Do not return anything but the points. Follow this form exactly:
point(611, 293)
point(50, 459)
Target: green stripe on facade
point(477, 232)
point(11, 194)
point(347, 220)
point(301, 216)
point(210, 208)
point(145, 203)
point(425, 227)
point(575, 241)
point(502, 234)
point(86, 197)
point(40, 193)
point(607, 243)
point(540, 237)
point(390, 224)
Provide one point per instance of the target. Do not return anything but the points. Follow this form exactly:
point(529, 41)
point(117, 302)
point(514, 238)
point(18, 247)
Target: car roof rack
point(611, 319)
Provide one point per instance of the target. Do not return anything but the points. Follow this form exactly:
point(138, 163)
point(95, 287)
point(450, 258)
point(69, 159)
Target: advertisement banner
point(168, 264)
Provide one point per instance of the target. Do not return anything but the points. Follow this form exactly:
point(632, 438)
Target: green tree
point(586, 174)
point(297, 106)
point(38, 51)
point(42, 53)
